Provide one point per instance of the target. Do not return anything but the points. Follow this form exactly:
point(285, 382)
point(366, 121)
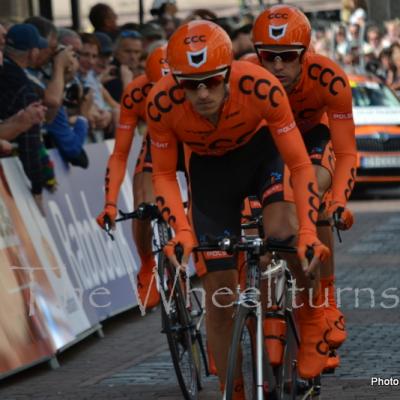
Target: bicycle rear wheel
point(178, 327)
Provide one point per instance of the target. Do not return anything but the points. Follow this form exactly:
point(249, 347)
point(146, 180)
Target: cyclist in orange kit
point(132, 111)
point(235, 122)
point(321, 101)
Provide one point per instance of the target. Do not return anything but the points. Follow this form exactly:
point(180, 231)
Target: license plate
point(380, 162)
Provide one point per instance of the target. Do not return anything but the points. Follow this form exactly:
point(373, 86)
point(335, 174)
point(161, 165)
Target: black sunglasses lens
point(286, 56)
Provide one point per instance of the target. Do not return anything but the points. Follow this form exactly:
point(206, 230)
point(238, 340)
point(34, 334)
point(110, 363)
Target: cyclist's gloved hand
point(111, 211)
point(309, 246)
point(341, 216)
point(186, 239)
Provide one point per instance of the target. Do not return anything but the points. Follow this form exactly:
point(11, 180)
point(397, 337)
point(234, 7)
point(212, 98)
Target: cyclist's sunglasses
point(210, 82)
point(285, 56)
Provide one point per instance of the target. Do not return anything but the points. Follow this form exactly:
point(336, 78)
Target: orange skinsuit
point(254, 96)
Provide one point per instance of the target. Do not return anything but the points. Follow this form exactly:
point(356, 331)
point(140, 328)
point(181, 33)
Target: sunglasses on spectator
point(285, 56)
point(210, 82)
point(130, 35)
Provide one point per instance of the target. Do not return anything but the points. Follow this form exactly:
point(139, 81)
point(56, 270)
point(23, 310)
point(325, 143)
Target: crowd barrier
point(60, 275)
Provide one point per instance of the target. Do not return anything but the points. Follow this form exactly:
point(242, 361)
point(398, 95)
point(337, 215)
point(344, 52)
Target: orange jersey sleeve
point(338, 100)
point(164, 152)
point(133, 104)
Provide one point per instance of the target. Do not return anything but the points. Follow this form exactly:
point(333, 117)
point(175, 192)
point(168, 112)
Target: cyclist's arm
point(164, 152)
point(341, 124)
point(117, 162)
point(291, 146)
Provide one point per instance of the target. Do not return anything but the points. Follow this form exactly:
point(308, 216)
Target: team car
point(376, 111)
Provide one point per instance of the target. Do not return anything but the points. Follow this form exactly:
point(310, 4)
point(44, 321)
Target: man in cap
point(22, 46)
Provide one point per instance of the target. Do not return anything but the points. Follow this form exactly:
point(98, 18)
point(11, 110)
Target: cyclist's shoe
point(275, 337)
point(335, 318)
point(147, 288)
point(314, 329)
point(338, 333)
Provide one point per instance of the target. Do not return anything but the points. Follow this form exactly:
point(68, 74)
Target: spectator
point(103, 68)
point(23, 42)
point(69, 134)
point(104, 19)
point(383, 65)
point(393, 77)
point(22, 121)
point(321, 41)
point(359, 12)
point(164, 12)
point(201, 13)
point(127, 50)
point(102, 118)
point(392, 33)
point(68, 37)
point(374, 40)
point(151, 32)
point(340, 43)
point(50, 77)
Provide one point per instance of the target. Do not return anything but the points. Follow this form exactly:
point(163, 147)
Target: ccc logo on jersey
point(326, 78)
point(137, 95)
point(163, 102)
point(262, 88)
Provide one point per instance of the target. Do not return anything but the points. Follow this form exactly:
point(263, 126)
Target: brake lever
point(107, 227)
point(336, 222)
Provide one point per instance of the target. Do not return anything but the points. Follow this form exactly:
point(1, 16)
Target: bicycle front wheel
point(177, 326)
point(242, 354)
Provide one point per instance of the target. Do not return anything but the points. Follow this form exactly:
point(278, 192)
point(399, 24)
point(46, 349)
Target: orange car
point(376, 111)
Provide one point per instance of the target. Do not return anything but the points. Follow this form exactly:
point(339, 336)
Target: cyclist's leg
point(280, 223)
point(321, 153)
point(218, 186)
point(141, 229)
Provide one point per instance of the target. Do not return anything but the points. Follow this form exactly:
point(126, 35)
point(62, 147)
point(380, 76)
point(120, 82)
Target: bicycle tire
point(242, 340)
point(176, 324)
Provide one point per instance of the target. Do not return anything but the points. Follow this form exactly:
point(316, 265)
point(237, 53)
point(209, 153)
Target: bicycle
point(261, 379)
point(182, 311)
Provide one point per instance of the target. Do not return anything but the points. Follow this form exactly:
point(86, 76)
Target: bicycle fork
point(260, 351)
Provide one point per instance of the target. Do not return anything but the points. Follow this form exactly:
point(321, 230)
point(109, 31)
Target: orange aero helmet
point(199, 47)
point(156, 64)
point(282, 26)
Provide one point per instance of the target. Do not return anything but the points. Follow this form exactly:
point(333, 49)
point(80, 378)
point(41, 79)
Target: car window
point(373, 94)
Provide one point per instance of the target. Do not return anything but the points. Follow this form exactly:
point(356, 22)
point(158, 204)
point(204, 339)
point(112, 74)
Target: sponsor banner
point(33, 324)
point(102, 271)
point(51, 264)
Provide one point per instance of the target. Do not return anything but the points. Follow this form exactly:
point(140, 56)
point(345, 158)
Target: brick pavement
point(131, 361)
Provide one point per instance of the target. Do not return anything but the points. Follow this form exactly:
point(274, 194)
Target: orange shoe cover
point(335, 318)
point(314, 329)
point(275, 338)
